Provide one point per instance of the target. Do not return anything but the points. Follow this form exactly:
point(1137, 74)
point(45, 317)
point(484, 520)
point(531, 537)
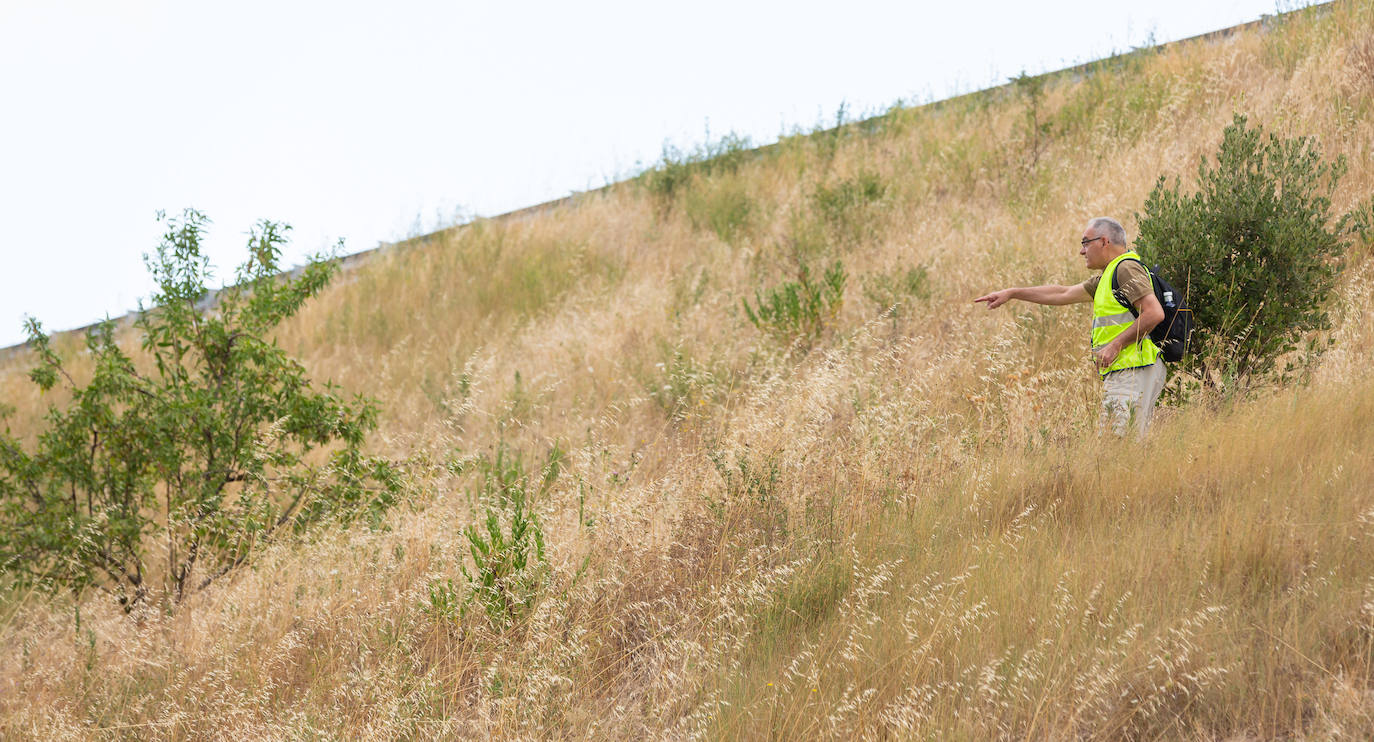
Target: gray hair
point(1110, 228)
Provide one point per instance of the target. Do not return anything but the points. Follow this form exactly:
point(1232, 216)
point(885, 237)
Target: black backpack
point(1173, 332)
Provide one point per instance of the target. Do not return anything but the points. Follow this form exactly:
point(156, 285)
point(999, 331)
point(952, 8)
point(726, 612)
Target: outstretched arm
point(1051, 295)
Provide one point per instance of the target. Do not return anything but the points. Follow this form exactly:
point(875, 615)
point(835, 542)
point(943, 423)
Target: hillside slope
point(904, 529)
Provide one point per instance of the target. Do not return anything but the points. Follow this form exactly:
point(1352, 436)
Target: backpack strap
point(1116, 287)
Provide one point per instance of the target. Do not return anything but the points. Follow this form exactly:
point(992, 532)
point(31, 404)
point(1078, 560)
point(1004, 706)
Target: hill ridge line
point(353, 260)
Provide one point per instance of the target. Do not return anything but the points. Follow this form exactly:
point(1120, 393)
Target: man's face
point(1094, 249)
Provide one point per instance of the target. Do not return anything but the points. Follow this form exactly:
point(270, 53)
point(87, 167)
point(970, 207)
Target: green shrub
point(802, 308)
point(676, 168)
point(507, 543)
point(1255, 251)
point(203, 455)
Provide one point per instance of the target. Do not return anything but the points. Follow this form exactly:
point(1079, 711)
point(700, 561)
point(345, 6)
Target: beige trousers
point(1129, 396)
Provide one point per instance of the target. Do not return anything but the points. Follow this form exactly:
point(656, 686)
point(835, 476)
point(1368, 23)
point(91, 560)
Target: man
point(1132, 371)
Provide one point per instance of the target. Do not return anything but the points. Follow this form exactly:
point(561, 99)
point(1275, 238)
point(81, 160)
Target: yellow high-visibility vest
point(1111, 318)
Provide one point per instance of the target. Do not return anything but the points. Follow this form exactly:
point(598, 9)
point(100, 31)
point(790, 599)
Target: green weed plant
point(509, 565)
point(677, 168)
point(801, 309)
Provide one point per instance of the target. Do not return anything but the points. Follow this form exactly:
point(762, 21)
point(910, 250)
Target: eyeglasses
point(1085, 243)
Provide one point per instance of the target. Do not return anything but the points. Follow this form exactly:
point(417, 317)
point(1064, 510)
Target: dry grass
point(910, 531)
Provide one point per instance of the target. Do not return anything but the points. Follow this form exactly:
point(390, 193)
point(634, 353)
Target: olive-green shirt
point(1131, 277)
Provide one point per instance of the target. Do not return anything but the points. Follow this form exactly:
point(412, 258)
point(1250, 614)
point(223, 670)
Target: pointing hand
point(996, 298)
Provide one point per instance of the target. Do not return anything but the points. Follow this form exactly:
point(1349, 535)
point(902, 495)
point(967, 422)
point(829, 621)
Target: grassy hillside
point(904, 528)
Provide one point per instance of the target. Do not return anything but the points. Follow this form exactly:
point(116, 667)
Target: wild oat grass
point(908, 530)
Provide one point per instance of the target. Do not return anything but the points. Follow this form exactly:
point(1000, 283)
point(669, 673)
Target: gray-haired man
point(1132, 371)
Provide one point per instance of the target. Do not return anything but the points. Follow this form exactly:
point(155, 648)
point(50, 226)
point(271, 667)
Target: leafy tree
point(1255, 251)
point(174, 466)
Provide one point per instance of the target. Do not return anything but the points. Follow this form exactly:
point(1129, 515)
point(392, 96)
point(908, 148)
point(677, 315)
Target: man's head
point(1103, 239)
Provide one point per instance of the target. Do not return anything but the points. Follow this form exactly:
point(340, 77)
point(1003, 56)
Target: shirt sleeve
point(1134, 280)
point(1090, 285)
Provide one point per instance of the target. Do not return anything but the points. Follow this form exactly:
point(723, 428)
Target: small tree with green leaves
point(171, 468)
point(1255, 251)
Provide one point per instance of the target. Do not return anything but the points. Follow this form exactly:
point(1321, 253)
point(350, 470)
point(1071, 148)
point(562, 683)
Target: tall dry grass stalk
point(909, 530)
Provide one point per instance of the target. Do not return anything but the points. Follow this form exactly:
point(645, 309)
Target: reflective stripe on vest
point(1109, 320)
point(1124, 318)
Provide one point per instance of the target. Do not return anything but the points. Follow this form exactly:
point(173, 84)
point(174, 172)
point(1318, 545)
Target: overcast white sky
point(366, 120)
